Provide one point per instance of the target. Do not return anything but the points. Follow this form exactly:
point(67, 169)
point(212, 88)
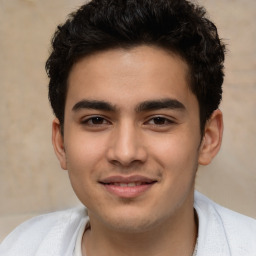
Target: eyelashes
point(155, 122)
point(159, 120)
point(95, 120)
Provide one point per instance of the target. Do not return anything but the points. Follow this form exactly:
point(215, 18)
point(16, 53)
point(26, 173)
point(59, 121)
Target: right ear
point(58, 143)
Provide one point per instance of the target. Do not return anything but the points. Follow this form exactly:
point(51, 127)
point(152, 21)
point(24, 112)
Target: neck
point(176, 236)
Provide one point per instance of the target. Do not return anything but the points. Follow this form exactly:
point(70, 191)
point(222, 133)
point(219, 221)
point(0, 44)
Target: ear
point(211, 141)
point(58, 143)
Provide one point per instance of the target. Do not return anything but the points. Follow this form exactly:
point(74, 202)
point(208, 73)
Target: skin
point(126, 137)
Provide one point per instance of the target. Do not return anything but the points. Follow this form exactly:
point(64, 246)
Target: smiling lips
point(127, 187)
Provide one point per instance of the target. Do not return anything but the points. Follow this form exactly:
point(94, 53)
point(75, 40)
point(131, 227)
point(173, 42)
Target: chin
point(131, 225)
point(130, 220)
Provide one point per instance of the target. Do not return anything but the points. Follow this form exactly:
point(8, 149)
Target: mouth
point(127, 187)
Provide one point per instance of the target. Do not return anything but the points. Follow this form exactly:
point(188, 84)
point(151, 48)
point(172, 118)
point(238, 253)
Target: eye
point(95, 121)
point(160, 121)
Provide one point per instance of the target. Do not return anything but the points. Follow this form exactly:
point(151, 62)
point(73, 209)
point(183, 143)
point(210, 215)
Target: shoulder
point(51, 234)
point(234, 233)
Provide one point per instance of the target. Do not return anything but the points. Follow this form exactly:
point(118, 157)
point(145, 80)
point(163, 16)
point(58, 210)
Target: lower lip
point(128, 192)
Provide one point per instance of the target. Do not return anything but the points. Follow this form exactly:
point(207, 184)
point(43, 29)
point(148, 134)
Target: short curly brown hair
point(175, 25)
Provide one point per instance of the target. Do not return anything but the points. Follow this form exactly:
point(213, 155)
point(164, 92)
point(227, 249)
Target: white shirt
point(78, 246)
point(221, 232)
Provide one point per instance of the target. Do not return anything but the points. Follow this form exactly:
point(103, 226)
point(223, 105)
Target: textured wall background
point(31, 181)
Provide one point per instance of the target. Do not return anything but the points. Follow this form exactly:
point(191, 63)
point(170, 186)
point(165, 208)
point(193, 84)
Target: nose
point(126, 146)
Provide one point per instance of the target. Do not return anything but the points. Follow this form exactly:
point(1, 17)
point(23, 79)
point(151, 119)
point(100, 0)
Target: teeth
point(131, 184)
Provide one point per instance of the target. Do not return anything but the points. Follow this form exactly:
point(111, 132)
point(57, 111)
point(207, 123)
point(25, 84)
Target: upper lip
point(127, 179)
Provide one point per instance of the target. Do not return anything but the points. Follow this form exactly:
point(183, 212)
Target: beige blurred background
point(31, 181)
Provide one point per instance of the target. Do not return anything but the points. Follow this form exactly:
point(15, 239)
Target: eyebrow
point(160, 104)
point(93, 104)
point(149, 105)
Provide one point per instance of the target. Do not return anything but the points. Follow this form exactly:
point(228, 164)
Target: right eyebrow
point(167, 103)
point(93, 104)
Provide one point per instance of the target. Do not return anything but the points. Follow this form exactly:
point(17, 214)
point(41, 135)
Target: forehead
point(125, 76)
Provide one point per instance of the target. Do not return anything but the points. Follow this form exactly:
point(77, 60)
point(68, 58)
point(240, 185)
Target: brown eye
point(159, 121)
point(95, 120)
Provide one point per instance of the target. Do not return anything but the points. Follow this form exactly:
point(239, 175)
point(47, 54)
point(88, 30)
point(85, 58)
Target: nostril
point(125, 146)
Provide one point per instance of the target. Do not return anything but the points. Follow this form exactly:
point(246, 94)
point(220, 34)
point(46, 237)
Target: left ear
point(212, 138)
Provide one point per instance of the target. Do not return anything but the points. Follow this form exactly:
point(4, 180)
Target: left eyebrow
point(93, 104)
point(160, 104)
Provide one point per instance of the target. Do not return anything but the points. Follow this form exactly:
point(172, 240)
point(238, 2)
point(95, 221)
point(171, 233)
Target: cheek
point(83, 152)
point(178, 158)
point(83, 159)
point(175, 150)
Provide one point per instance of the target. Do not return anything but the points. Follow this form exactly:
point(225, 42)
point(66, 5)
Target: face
point(131, 139)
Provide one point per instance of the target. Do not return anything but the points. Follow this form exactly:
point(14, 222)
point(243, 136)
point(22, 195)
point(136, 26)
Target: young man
point(135, 87)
